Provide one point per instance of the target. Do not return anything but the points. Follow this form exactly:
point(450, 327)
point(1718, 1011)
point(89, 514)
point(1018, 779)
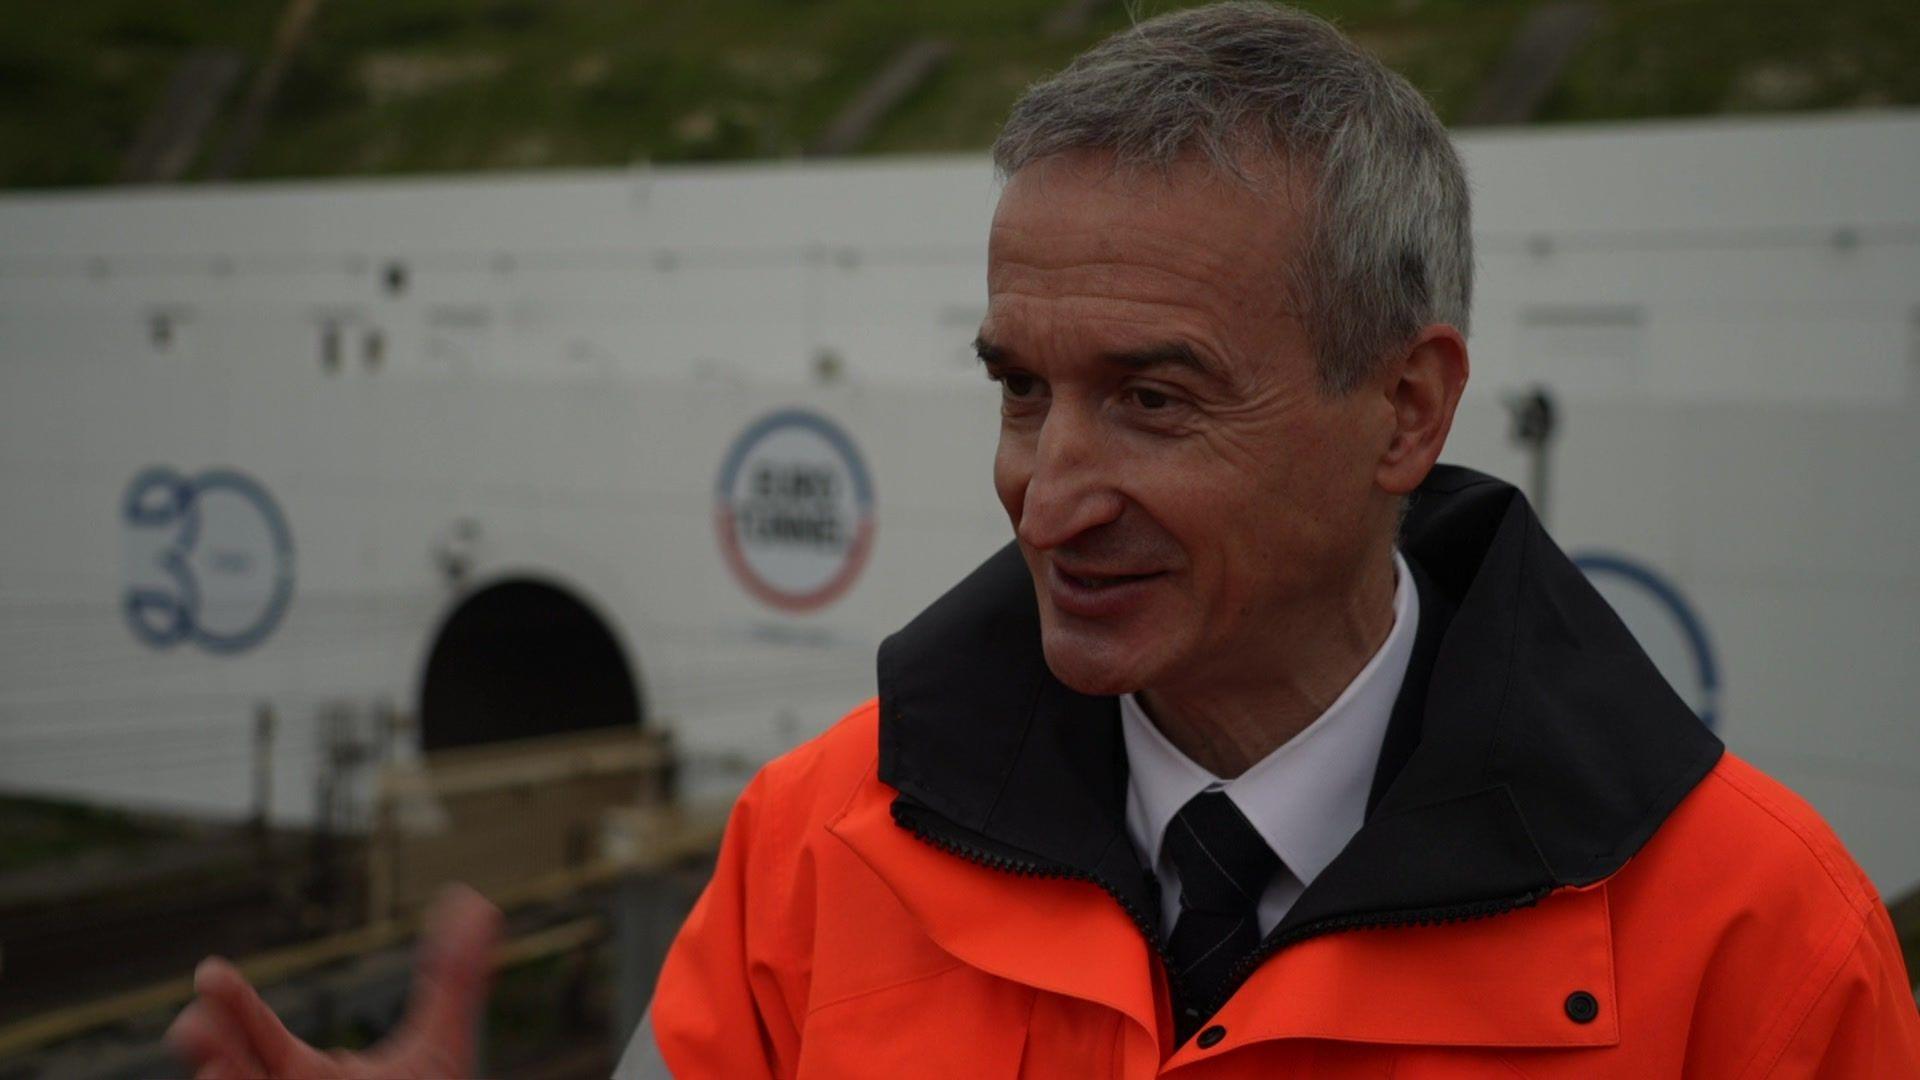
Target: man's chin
point(1097, 668)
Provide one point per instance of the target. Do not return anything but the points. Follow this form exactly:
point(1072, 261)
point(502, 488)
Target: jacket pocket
point(1068, 1037)
point(1431, 1063)
point(957, 1022)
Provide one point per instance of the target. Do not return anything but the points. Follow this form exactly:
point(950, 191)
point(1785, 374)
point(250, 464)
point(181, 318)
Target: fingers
point(229, 996)
point(454, 968)
point(231, 1032)
point(208, 1041)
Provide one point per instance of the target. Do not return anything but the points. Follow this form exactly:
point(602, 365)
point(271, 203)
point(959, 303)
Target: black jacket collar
point(1533, 745)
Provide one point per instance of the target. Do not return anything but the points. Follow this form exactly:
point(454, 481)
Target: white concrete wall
point(1725, 311)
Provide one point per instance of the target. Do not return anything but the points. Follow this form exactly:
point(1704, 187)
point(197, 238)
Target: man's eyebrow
point(1166, 354)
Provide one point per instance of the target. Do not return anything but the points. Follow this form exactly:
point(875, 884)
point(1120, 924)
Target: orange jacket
point(1562, 875)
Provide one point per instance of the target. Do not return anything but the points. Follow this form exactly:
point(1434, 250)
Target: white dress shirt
point(1306, 799)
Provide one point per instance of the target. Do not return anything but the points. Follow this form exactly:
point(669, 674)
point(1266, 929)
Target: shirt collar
point(1309, 796)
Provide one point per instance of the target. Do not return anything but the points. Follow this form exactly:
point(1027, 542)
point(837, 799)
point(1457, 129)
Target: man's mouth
point(1103, 581)
point(1098, 593)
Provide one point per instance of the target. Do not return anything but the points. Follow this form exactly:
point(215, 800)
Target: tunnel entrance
point(523, 658)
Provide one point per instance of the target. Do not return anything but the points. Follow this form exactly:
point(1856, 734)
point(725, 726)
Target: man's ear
point(1423, 390)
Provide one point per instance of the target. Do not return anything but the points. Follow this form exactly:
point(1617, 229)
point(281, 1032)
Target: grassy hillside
point(401, 86)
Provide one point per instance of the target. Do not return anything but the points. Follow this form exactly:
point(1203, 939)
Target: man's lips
point(1098, 592)
point(1097, 579)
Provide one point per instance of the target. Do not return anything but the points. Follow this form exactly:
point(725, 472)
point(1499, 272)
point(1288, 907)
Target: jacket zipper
point(1479, 909)
point(1149, 927)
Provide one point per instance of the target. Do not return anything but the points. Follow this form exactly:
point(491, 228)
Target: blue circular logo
point(209, 559)
point(793, 509)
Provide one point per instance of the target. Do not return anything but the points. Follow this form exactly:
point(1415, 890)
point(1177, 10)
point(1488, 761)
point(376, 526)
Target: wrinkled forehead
point(1076, 233)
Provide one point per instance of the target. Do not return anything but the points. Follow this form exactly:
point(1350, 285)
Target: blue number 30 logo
point(209, 559)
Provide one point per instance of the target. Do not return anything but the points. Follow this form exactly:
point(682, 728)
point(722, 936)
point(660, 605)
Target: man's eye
point(1150, 399)
point(1016, 385)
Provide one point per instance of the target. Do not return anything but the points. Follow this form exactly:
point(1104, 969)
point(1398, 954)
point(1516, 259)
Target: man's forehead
point(1136, 266)
point(1080, 215)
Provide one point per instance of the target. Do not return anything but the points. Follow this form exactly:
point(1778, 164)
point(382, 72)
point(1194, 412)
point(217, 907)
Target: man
point(1269, 747)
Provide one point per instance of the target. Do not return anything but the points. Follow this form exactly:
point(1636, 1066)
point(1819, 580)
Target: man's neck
point(1227, 725)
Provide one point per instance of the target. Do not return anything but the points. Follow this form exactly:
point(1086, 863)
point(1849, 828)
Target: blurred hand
point(228, 1032)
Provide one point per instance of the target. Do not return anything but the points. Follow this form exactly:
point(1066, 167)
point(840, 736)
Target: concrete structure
point(716, 431)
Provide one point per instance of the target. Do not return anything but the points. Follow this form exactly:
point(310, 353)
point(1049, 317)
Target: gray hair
point(1389, 248)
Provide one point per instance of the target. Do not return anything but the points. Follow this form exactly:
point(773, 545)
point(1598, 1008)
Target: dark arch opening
point(519, 659)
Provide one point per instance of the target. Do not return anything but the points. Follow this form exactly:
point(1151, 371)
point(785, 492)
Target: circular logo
point(1663, 623)
point(794, 509)
point(209, 559)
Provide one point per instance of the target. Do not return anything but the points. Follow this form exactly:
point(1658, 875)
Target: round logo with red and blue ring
point(794, 510)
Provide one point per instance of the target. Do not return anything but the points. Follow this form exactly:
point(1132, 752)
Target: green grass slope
point(408, 86)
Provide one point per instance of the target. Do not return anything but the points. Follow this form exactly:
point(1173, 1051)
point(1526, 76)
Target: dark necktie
point(1224, 866)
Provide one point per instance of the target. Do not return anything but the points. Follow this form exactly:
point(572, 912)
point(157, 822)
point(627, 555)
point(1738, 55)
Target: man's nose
point(1069, 490)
